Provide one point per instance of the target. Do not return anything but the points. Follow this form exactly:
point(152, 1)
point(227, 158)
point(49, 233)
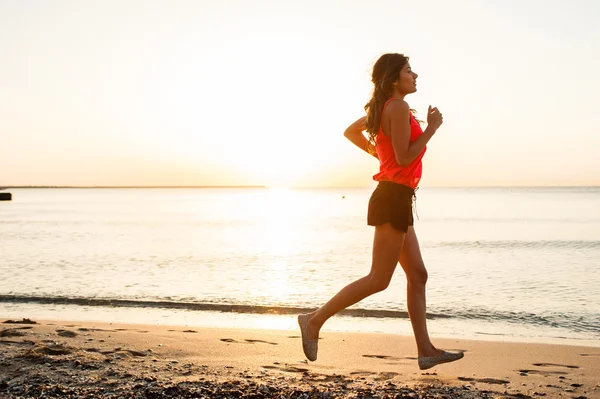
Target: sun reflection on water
point(280, 240)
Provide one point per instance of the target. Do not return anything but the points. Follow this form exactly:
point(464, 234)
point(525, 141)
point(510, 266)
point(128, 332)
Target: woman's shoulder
point(397, 104)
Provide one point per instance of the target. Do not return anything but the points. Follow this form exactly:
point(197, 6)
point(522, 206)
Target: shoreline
point(100, 358)
point(445, 328)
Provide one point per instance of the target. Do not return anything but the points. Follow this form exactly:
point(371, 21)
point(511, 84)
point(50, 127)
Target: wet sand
point(85, 359)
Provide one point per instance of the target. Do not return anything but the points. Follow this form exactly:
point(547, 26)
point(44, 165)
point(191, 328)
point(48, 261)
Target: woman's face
point(407, 83)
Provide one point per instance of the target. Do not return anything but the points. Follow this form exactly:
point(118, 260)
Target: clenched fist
point(434, 118)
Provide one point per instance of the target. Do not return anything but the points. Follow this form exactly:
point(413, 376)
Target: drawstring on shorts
point(414, 201)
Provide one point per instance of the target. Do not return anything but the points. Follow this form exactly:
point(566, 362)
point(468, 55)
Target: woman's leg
point(416, 277)
point(387, 246)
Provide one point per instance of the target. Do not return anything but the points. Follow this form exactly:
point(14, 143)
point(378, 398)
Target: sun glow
point(271, 126)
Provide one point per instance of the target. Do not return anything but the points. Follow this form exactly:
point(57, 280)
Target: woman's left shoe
point(427, 362)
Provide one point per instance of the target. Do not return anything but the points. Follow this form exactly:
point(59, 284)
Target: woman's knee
point(378, 283)
point(418, 276)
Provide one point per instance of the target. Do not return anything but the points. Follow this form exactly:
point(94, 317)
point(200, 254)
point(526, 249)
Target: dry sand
point(84, 359)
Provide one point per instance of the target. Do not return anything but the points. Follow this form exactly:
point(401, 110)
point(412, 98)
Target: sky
point(235, 92)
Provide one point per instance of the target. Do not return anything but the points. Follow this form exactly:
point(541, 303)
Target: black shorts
point(391, 203)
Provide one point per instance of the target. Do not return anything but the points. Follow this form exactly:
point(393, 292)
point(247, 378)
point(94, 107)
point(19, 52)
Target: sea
point(504, 264)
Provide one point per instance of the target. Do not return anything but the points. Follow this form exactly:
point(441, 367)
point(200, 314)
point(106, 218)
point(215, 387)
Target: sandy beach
point(40, 358)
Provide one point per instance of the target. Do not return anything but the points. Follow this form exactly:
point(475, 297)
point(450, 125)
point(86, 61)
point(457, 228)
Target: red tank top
point(389, 169)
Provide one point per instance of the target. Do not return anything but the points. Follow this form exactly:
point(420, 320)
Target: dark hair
point(385, 72)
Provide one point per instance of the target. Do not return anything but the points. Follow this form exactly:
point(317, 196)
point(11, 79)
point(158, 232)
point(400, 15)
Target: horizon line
point(297, 187)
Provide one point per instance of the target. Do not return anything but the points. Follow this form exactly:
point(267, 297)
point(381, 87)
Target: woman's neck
point(396, 94)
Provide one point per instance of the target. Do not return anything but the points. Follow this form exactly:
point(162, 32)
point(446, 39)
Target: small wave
point(573, 322)
point(197, 306)
point(516, 244)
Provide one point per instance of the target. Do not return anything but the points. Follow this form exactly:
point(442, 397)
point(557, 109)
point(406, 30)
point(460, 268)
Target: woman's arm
point(354, 133)
point(405, 151)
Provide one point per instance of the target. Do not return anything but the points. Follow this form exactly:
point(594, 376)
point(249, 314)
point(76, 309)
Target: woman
point(399, 145)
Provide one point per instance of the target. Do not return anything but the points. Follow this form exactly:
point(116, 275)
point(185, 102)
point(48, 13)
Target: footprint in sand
point(554, 365)
point(137, 353)
point(53, 350)
point(484, 380)
point(542, 372)
point(247, 341)
point(260, 341)
point(125, 329)
point(287, 367)
point(386, 357)
point(24, 321)
point(94, 329)
point(14, 332)
point(66, 333)
point(361, 373)
point(9, 342)
point(120, 352)
point(129, 353)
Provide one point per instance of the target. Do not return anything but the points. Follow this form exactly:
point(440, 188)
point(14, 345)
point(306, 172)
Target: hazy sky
point(259, 92)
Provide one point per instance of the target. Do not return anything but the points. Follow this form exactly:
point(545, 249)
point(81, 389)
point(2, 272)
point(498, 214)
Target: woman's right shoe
point(310, 346)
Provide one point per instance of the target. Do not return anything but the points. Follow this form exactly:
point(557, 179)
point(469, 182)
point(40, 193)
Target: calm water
point(515, 264)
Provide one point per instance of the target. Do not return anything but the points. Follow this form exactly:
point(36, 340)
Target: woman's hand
point(434, 118)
